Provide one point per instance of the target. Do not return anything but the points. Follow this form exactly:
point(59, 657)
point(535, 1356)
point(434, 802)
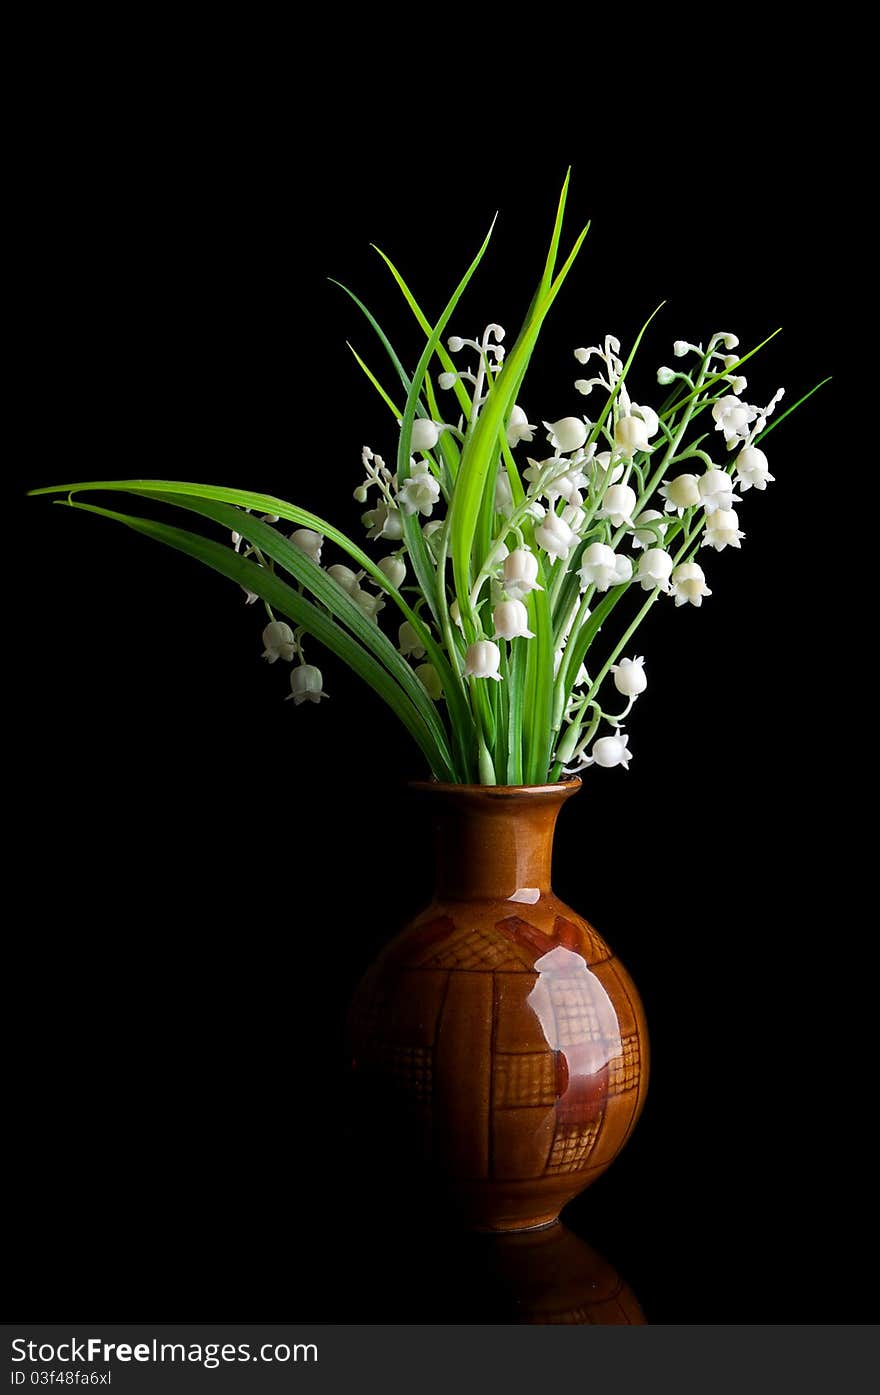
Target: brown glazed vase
point(498, 1031)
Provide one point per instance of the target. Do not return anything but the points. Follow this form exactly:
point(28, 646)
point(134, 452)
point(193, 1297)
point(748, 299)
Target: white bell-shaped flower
point(408, 642)
point(511, 621)
point(425, 434)
point(430, 681)
point(629, 676)
point(433, 535)
point(603, 568)
point(722, 530)
point(344, 577)
point(368, 604)
point(306, 684)
point(655, 569)
point(598, 467)
point(631, 434)
point(503, 494)
point(555, 536)
point(519, 428)
point(383, 522)
point(733, 418)
point(618, 505)
point(680, 348)
point(482, 660)
point(753, 469)
point(680, 494)
point(645, 537)
point(394, 568)
point(419, 493)
point(689, 584)
point(279, 642)
point(567, 434)
point(609, 751)
point(648, 416)
point(716, 491)
point(521, 573)
point(309, 542)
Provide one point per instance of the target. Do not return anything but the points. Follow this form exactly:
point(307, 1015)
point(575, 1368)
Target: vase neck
point(495, 842)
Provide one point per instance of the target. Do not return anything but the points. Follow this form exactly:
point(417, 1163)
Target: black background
point(203, 872)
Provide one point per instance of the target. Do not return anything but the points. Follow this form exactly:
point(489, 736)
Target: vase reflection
point(553, 1277)
point(440, 1274)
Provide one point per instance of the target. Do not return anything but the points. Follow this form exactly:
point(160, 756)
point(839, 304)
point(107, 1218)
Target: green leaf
point(327, 591)
point(283, 598)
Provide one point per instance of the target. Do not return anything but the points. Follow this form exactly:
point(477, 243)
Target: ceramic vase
point(498, 1044)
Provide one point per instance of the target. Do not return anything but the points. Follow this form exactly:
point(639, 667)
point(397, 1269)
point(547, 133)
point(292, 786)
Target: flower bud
point(425, 434)
point(665, 376)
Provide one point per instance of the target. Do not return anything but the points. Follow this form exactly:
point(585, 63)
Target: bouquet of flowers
point(505, 547)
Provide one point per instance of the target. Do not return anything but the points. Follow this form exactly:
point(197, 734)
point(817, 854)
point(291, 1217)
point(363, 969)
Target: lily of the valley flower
point(618, 505)
point(425, 434)
point(409, 643)
point(689, 584)
point(521, 573)
point(733, 418)
point(602, 567)
point(430, 680)
point(279, 641)
point(555, 536)
point(344, 577)
point(394, 569)
point(716, 491)
point(609, 751)
point(309, 542)
point(631, 434)
point(680, 494)
point(645, 537)
point(519, 428)
point(503, 494)
point(722, 530)
point(482, 660)
point(567, 434)
point(368, 604)
point(306, 684)
point(420, 492)
point(753, 469)
point(511, 621)
point(383, 522)
point(655, 569)
point(629, 676)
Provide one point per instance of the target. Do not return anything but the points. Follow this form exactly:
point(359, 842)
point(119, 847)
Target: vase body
point(497, 1040)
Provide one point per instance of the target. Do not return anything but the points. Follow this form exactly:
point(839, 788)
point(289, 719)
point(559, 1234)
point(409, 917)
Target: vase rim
point(561, 788)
